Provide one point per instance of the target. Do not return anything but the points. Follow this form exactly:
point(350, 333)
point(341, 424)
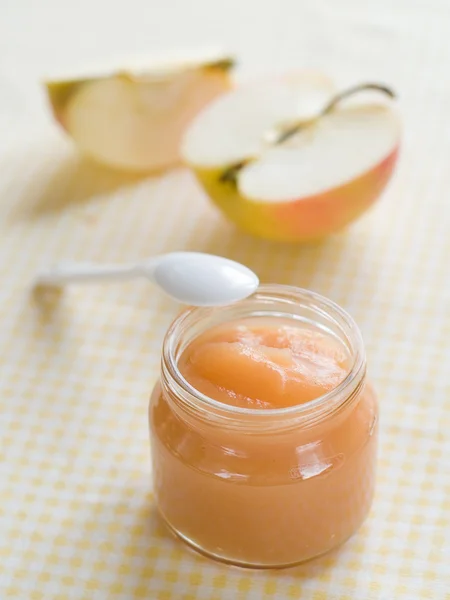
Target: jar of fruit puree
point(264, 429)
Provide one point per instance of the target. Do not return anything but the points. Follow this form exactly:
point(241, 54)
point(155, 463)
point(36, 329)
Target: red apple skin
point(322, 214)
point(305, 219)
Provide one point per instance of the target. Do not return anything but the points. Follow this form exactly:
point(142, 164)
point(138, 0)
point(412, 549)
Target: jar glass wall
point(264, 488)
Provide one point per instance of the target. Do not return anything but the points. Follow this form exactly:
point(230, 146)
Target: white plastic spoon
point(190, 277)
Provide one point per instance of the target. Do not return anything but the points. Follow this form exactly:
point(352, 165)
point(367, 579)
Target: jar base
point(242, 564)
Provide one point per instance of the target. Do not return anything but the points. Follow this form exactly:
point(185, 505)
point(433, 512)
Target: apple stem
point(293, 129)
point(376, 87)
point(230, 174)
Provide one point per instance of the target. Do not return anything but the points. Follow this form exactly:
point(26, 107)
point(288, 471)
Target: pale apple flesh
point(307, 219)
point(135, 120)
point(315, 184)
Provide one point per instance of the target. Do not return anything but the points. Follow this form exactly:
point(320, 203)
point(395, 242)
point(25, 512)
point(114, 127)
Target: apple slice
point(288, 160)
point(134, 118)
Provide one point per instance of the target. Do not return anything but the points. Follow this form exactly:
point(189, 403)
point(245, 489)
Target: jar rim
point(272, 292)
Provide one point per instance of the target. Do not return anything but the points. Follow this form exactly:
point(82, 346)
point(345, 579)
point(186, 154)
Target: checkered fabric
point(77, 520)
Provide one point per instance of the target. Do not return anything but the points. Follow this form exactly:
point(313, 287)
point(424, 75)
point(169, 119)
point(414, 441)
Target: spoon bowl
point(204, 279)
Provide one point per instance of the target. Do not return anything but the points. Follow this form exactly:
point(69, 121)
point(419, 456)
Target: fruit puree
point(264, 363)
point(273, 492)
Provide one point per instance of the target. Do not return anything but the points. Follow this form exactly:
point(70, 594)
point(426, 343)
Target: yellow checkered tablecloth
point(76, 515)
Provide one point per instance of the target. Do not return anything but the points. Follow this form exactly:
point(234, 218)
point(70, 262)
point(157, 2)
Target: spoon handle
point(62, 273)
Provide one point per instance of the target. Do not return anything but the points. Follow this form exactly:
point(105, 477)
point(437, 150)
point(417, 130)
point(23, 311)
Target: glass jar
point(264, 487)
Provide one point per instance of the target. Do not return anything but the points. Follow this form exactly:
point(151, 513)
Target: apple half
point(134, 118)
point(289, 159)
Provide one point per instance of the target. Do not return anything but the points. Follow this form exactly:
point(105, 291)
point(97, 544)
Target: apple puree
point(264, 497)
point(264, 363)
